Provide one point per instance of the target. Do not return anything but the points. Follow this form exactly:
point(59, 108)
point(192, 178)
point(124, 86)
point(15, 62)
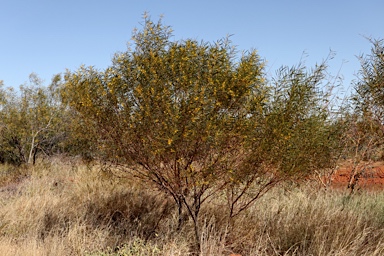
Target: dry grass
point(64, 208)
point(304, 222)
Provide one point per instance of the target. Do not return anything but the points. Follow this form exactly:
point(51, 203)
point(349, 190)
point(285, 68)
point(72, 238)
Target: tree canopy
point(195, 118)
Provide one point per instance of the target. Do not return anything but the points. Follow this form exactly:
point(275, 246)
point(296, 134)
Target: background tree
point(30, 123)
point(370, 86)
point(296, 136)
point(8, 151)
point(300, 122)
point(366, 132)
point(74, 138)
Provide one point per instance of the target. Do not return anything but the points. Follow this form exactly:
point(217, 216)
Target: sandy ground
point(371, 176)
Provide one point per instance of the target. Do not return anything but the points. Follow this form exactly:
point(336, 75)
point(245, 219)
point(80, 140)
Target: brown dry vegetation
point(68, 208)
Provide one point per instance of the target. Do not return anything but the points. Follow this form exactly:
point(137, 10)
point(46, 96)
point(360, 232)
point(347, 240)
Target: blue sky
point(49, 36)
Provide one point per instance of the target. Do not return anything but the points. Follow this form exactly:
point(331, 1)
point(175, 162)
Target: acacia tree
point(30, 123)
point(8, 153)
point(300, 122)
point(195, 119)
point(177, 113)
point(366, 131)
point(295, 137)
point(369, 88)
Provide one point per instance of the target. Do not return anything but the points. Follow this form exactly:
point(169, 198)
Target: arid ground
point(371, 178)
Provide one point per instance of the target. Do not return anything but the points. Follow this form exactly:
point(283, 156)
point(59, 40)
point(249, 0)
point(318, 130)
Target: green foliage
point(366, 124)
point(181, 106)
point(370, 86)
point(364, 134)
point(31, 122)
point(299, 134)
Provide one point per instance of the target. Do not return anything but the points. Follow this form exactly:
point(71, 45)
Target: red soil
point(371, 176)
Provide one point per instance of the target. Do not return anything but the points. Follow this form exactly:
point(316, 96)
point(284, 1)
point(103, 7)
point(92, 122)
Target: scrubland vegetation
point(61, 207)
point(188, 148)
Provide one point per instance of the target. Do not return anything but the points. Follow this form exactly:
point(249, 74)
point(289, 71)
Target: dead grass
point(68, 208)
point(304, 222)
